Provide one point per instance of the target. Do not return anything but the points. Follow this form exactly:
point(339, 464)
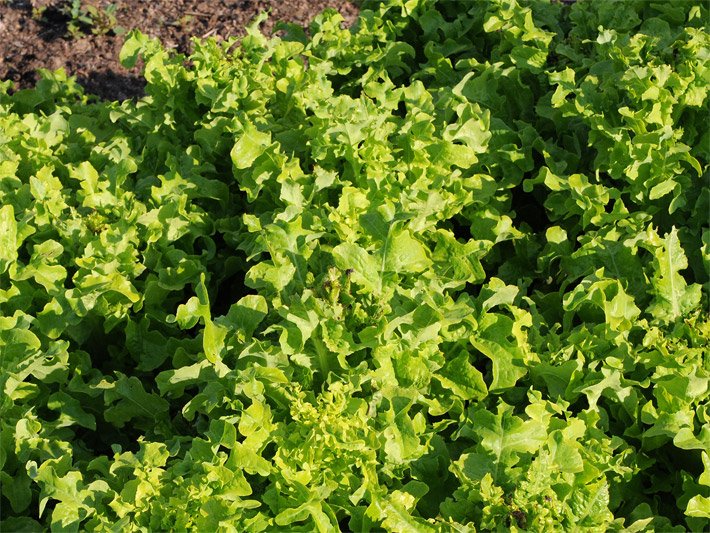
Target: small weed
point(84, 19)
point(183, 21)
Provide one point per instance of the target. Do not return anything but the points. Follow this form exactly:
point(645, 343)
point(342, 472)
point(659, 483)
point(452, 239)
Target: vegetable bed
point(444, 271)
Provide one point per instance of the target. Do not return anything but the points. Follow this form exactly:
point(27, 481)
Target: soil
point(44, 34)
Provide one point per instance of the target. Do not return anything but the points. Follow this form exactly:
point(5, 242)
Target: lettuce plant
point(446, 270)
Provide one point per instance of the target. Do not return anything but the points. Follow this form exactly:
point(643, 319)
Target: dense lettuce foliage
point(444, 271)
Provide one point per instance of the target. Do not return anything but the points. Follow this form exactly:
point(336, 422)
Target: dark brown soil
point(36, 34)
